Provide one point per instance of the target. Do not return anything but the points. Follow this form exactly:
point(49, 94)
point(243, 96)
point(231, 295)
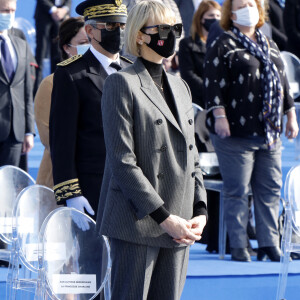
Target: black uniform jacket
point(76, 134)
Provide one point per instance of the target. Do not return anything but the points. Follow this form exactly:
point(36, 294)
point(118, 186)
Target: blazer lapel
point(151, 91)
point(180, 102)
point(18, 49)
point(95, 70)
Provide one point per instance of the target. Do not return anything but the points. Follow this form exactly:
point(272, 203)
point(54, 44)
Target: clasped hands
point(59, 14)
point(183, 231)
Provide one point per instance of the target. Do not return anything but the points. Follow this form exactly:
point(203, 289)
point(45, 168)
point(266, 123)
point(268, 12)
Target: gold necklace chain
point(159, 86)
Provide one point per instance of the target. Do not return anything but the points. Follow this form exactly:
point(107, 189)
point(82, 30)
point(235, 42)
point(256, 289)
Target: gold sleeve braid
point(67, 190)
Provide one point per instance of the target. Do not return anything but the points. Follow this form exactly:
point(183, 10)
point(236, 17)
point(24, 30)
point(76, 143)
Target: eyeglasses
point(111, 26)
point(164, 30)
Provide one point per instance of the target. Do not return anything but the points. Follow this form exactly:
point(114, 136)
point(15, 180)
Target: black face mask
point(112, 41)
point(208, 22)
point(164, 48)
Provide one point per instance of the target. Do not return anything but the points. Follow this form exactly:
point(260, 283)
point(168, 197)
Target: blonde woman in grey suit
point(153, 202)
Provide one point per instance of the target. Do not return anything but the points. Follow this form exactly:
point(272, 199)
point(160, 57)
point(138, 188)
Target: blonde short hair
point(138, 17)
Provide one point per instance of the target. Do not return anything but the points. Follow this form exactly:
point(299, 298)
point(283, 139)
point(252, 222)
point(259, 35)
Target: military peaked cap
point(105, 10)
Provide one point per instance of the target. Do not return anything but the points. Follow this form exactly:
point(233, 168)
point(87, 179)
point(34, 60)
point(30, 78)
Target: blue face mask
point(6, 21)
point(81, 49)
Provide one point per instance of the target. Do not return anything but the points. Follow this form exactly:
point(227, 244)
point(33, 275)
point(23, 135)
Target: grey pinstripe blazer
point(151, 159)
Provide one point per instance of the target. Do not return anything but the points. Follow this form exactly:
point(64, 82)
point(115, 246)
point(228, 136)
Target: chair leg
point(107, 288)
point(12, 275)
point(284, 261)
point(222, 229)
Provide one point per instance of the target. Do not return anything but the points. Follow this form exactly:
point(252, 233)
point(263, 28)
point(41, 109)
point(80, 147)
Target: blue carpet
point(204, 264)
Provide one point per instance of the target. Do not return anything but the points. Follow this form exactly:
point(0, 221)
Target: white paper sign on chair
point(54, 251)
point(74, 283)
point(297, 218)
point(26, 225)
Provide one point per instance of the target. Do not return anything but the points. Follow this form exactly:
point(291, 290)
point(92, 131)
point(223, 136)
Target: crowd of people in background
point(117, 122)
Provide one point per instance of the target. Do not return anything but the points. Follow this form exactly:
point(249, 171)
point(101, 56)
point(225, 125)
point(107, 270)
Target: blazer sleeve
point(42, 103)
point(29, 114)
point(45, 5)
point(118, 125)
point(64, 114)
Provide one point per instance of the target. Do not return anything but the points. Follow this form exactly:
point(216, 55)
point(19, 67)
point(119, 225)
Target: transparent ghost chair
point(12, 181)
point(33, 205)
point(210, 166)
point(74, 261)
point(291, 234)
point(292, 69)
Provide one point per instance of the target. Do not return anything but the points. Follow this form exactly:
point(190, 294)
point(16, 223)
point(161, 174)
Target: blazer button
point(163, 148)
point(160, 175)
point(159, 121)
point(193, 174)
point(191, 121)
point(191, 147)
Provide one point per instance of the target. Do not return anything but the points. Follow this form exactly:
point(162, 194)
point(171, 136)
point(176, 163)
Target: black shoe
point(4, 264)
point(273, 253)
point(240, 254)
point(295, 255)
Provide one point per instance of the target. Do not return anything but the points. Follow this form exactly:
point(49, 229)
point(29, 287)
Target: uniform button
point(159, 121)
point(160, 175)
point(191, 121)
point(163, 148)
point(193, 174)
point(191, 147)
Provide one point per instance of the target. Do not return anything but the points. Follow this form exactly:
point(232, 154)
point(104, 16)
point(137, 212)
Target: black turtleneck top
point(161, 82)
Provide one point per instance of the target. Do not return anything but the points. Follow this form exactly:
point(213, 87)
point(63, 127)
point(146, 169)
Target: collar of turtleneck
point(155, 70)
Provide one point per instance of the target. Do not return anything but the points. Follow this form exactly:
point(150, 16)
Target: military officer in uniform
point(76, 134)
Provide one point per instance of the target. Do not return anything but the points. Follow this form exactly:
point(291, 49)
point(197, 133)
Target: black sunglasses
point(164, 30)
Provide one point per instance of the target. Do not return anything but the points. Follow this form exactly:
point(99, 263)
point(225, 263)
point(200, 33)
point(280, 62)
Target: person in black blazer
point(48, 16)
point(16, 109)
point(187, 9)
point(76, 135)
point(192, 49)
point(291, 19)
point(276, 19)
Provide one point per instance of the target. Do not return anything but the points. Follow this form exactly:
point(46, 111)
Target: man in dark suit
point(48, 16)
point(76, 134)
point(16, 109)
point(187, 9)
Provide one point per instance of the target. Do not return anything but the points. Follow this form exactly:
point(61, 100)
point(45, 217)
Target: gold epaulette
point(67, 189)
point(69, 60)
point(126, 59)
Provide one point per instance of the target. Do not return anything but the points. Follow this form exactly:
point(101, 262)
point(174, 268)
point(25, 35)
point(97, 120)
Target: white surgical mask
point(6, 21)
point(247, 16)
point(81, 49)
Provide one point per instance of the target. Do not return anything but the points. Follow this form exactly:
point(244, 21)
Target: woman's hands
point(221, 123)
point(291, 129)
point(183, 231)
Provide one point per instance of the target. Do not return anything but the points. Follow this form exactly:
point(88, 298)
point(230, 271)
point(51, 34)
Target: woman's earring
point(140, 42)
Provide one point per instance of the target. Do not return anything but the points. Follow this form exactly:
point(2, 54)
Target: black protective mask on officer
point(208, 22)
point(164, 48)
point(112, 41)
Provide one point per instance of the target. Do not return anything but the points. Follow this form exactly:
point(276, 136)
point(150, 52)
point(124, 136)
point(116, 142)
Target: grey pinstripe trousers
point(141, 272)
